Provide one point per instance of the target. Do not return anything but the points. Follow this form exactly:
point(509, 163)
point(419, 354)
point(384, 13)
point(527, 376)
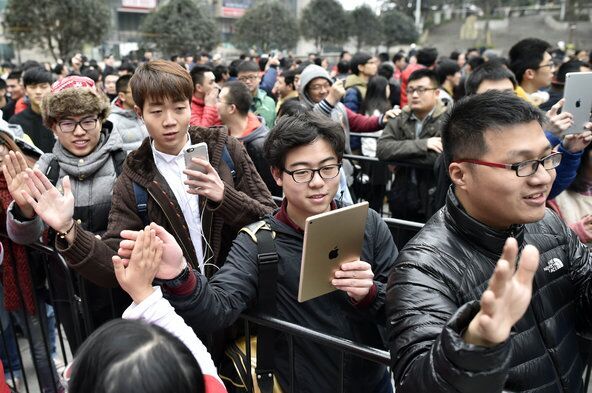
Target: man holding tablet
point(305, 153)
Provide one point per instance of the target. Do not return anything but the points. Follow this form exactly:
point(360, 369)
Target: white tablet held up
point(330, 239)
point(578, 99)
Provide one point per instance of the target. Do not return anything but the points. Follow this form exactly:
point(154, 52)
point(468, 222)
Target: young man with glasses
point(533, 67)
point(414, 138)
point(263, 105)
point(305, 153)
point(471, 305)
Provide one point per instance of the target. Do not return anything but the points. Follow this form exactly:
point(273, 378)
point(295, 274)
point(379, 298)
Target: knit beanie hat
point(73, 96)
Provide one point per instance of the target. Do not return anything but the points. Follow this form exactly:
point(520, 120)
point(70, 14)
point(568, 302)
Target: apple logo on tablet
point(334, 253)
point(578, 103)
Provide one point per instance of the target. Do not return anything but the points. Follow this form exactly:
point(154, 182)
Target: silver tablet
point(578, 99)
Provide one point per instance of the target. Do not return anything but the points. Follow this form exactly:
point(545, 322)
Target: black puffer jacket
point(433, 293)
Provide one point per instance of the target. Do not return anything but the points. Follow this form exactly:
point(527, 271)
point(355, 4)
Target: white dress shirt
point(171, 168)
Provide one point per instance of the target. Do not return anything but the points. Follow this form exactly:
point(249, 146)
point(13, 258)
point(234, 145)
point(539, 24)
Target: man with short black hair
point(426, 58)
point(37, 84)
point(285, 88)
point(15, 91)
point(126, 122)
point(466, 311)
point(263, 105)
point(449, 77)
point(414, 138)
point(490, 76)
point(205, 95)
point(533, 67)
point(233, 106)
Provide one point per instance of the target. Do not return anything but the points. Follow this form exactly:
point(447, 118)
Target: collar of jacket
point(354, 80)
point(489, 240)
point(439, 110)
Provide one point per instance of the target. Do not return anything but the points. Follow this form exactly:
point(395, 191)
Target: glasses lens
point(552, 161)
point(67, 126)
point(88, 124)
point(302, 176)
point(329, 172)
point(527, 168)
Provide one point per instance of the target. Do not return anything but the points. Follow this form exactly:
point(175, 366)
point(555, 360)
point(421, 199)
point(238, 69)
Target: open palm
point(14, 169)
point(55, 209)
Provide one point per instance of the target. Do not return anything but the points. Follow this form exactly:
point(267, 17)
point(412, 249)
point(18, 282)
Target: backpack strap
point(141, 196)
point(267, 261)
point(228, 160)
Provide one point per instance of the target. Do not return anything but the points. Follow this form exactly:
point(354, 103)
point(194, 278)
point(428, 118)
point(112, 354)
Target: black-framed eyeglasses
point(524, 168)
point(419, 90)
point(306, 175)
point(87, 124)
point(550, 64)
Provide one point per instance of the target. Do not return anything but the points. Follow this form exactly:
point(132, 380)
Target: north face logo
point(553, 265)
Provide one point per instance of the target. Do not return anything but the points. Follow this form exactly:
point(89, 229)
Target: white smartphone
point(199, 150)
point(578, 99)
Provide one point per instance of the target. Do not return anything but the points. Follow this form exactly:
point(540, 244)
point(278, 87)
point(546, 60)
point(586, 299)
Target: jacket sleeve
point(363, 123)
point(352, 100)
point(249, 199)
point(566, 171)
point(393, 146)
point(216, 304)
point(90, 255)
point(25, 231)
point(425, 332)
point(268, 81)
point(209, 117)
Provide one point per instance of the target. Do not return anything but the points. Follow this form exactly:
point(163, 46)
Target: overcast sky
point(351, 4)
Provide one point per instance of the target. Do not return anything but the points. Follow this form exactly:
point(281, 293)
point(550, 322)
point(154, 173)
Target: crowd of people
point(493, 294)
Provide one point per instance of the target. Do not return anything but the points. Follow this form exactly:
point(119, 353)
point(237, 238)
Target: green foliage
point(325, 22)
point(397, 28)
point(364, 27)
point(180, 26)
point(61, 27)
point(266, 26)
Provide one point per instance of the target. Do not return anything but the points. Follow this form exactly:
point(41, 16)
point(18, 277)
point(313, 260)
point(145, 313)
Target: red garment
point(4, 387)
point(404, 77)
point(16, 264)
point(252, 124)
point(213, 385)
point(362, 123)
point(202, 115)
point(20, 106)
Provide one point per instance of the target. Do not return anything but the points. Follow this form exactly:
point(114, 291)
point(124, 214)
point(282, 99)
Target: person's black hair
point(469, 50)
point(16, 74)
point(424, 73)
point(343, 53)
point(475, 62)
point(383, 56)
point(398, 56)
point(58, 69)
point(248, 66)
point(527, 54)
point(570, 66)
point(318, 61)
point(291, 107)
point(91, 73)
point(301, 67)
point(343, 67)
point(133, 356)
point(35, 76)
point(454, 55)
point(490, 71)
point(262, 63)
point(174, 58)
point(238, 95)
point(219, 71)
point(358, 59)
point(27, 65)
point(2, 84)
point(445, 69)
point(197, 73)
point(464, 128)
point(122, 83)
point(387, 70)
point(376, 98)
point(129, 67)
point(302, 129)
point(427, 56)
point(233, 67)
point(580, 183)
point(289, 77)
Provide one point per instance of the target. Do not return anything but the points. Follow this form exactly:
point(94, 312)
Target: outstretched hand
point(172, 263)
point(55, 209)
point(558, 123)
point(507, 297)
point(14, 167)
point(136, 278)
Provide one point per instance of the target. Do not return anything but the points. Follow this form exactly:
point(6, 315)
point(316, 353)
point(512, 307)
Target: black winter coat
point(434, 290)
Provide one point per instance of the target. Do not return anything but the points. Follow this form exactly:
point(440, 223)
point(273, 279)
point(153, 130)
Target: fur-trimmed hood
point(74, 102)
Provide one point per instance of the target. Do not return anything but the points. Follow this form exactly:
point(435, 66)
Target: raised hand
point(575, 143)
point(507, 297)
point(172, 263)
point(355, 278)
point(136, 277)
point(206, 184)
point(435, 144)
point(55, 209)
point(14, 166)
point(559, 122)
